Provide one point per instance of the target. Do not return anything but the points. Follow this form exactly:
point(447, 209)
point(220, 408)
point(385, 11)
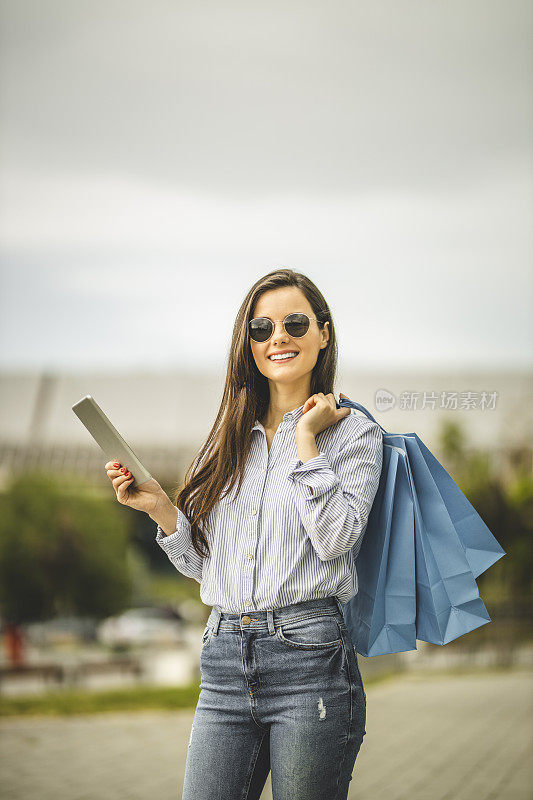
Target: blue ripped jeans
point(281, 691)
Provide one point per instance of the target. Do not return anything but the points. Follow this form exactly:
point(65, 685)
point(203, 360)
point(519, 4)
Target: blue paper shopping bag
point(381, 617)
point(452, 547)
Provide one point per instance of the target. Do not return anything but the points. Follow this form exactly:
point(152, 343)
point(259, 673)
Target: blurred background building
point(166, 416)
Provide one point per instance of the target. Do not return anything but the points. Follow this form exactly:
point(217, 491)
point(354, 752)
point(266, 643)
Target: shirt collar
point(290, 418)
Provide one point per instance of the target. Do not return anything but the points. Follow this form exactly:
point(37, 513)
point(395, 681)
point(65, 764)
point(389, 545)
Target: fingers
point(319, 396)
point(122, 479)
point(122, 486)
point(115, 468)
point(117, 473)
point(329, 397)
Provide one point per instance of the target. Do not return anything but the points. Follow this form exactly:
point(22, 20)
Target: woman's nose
point(279, 332)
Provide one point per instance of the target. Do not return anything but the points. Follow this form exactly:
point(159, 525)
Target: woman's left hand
point(319, 412)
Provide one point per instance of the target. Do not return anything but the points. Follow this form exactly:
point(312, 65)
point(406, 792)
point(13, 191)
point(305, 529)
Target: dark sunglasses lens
point(297, 325)
point(260, 329)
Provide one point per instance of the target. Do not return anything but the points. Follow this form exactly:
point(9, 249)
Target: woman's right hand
point(146, 497)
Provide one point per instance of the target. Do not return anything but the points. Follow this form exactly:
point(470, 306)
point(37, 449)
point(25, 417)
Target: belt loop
point(270, 621)
point(216, 620)
point(341, 606)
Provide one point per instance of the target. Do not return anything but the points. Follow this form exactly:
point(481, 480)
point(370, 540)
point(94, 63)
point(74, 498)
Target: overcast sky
point(159, 157)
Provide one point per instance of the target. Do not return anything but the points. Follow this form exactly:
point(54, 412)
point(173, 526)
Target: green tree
point(505, 506)
point(63, 551)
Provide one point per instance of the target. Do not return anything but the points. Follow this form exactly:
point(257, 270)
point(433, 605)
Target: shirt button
point(254, 511)
point(248, 603)
point(264, 471)
point(250, 555)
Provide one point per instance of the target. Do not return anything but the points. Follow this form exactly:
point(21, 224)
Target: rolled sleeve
point(335, 495)
point(313, 478)
point(179, 548)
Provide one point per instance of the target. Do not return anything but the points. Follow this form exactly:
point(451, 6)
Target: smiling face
point(276, 305)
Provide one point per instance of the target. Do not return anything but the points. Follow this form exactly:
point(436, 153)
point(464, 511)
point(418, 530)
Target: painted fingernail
point(116, 465)
point(123, 469)
point(127, 473)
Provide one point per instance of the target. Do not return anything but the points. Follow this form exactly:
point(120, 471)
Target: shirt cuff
point(313, 477)
point(177, 543)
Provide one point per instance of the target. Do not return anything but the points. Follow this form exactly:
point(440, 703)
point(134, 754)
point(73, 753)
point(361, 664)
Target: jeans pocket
point(311, 633)
point(358, 678)
point(206, 638)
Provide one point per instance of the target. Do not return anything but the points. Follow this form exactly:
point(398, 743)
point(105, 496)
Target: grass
point(71, 702)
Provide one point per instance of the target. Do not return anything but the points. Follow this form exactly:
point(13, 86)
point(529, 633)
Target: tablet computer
point(106, 435)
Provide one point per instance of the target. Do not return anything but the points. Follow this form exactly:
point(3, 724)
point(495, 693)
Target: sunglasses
point(296, 325)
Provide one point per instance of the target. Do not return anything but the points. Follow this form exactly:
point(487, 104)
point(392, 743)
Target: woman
point(280, 685)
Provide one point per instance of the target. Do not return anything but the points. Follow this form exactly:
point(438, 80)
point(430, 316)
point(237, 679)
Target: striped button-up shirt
point(295, 529)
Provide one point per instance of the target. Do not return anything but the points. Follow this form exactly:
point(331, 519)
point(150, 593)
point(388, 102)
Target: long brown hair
point(222, 458)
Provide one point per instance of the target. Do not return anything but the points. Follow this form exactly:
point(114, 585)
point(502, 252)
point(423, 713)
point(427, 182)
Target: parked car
point(61, 630)
point(142, 626)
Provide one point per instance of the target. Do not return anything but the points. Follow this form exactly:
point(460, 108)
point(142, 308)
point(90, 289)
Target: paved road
point(443, 738)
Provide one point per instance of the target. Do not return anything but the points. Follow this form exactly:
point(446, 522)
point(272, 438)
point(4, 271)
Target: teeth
point(283, 357)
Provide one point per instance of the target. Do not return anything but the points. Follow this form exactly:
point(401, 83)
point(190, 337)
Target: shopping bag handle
point(345, 403)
